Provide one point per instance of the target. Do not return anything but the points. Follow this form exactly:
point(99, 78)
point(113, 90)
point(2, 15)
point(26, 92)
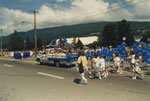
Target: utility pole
point(1, 42)
point(35, 34)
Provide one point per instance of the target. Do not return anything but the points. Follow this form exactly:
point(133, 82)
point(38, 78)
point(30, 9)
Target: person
point(82, 63)
point(137, 68)
point(102, 67)
point(117, 62)
point(98, 66)
point(106, 67)
point(21, 55)
point(133, 61)
point(93, 63)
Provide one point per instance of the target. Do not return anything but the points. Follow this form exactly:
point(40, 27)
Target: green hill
point(74, 30)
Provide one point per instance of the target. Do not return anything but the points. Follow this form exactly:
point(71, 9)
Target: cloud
point(80, 11)
point(60, 0)
point(141, 10)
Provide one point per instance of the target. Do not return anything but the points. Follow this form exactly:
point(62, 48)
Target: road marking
point(8, 65)
point(58, 77)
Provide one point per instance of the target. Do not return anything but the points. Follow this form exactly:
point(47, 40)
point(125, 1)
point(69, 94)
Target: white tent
point(85, 40)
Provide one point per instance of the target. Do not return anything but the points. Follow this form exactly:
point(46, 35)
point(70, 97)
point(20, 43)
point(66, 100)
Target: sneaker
point(90, 73)
point(134, 78)
point(105, 76)
point(142, 76)
point(81, 82)
point(91, 77)
point(85, 82)
point(100, 78)
point(120, 73)
point(117, 71)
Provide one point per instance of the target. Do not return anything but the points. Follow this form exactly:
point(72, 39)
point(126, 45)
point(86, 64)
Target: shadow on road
point(76, 80)
point(138, 78)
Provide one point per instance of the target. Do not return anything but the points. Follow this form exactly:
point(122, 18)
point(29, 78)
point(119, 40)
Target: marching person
point(98, 66)
point(117, 61)
point(133, 61)
point(82, 63)
point(137, 68)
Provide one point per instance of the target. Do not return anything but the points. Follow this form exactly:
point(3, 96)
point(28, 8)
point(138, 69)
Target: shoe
point(134, 78)
point(142, 76)
point(85, 82)
point(100, 78)
point(105, 76)
point(81, 82)
point(91, 77)
point(90, 73)
point(120, 73)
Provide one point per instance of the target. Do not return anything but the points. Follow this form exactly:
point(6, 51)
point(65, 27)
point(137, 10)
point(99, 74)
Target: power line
point(103, 11)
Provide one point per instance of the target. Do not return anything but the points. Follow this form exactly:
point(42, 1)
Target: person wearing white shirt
point(117, 61)
point(100, 66)
point(96, 67)
point(137, 68)
point(133, 61)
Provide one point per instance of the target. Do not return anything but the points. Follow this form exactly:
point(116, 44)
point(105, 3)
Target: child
point(117, 62)
point(93, 65)
point(102, 66)
point(136, 69)
point(133, 61)
point(98, 66)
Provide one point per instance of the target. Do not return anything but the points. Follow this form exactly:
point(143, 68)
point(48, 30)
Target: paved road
point(24, 81)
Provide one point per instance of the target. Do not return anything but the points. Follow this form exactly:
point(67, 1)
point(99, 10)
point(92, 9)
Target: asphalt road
point(24, 81)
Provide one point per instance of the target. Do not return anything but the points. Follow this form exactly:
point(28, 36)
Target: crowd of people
point(98, 67)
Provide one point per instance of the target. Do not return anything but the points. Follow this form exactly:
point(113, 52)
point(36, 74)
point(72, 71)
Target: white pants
point(83, 79)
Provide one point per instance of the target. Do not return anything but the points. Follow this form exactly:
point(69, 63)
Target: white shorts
point(98, 69)
point(117, 64)
point(136, 69)
point(133, 61)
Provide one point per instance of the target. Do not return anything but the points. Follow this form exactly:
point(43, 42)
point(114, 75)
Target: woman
point(82, 63)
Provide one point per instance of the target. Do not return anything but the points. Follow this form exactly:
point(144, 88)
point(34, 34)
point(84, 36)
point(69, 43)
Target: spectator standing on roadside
point(21, 55)
point(12, 54)
point(82, 63)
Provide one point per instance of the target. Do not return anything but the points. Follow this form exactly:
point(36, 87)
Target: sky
point(53, 13)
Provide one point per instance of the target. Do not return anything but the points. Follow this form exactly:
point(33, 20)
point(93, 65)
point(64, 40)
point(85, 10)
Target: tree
point(79, 44)
point(124, 30)
point(15, 42)
point(39, 43)
point(109, 35)
point(29, 44)
point(146, 37)
point(74, 41)
point(113, 34)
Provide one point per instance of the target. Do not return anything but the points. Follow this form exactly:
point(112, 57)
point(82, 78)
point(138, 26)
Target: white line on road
point(58, 77)
point(8, 65)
